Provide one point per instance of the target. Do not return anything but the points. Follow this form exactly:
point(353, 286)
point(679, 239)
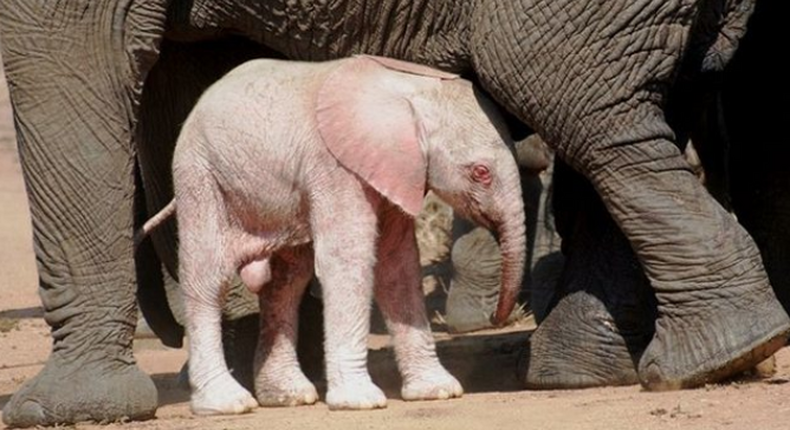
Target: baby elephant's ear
point(370, 127)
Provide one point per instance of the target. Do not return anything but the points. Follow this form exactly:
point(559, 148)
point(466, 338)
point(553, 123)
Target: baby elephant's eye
point(481, 174)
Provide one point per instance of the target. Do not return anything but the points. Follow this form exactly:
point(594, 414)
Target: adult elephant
point(98, 89)
point(603, 291)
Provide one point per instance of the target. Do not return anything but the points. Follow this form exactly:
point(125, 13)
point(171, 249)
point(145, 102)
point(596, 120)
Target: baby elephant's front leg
point(344, 265)
point(402, 303)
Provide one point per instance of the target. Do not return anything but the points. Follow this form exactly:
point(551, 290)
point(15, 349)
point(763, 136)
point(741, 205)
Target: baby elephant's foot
point(356, 395)
point(293, 392)
point(435, 385)
point(222, 396)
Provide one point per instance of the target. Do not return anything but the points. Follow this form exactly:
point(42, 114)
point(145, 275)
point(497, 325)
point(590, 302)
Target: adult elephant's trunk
point(511, 232)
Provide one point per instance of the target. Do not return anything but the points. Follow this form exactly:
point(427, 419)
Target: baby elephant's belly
point(268, 213)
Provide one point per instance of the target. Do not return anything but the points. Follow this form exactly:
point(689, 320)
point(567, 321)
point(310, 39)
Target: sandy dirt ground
point(485, 364)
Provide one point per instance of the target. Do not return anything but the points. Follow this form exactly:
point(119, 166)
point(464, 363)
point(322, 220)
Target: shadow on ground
point(170, 389)
point(483, 363)
point(35, 312)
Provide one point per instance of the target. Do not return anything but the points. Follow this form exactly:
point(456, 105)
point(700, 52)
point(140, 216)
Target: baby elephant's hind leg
point(204, 276)
point(279, 380)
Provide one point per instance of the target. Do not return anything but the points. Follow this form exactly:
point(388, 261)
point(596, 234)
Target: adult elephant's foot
point(436, 384)
point(604, 309)
point(578, 346)
point(222, 396)
point(686, 352)
point(718, 315)
point(68, 391)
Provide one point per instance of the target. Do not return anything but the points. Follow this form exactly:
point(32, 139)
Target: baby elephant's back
point(255, 131)
point(262, 112)
point(262, 104)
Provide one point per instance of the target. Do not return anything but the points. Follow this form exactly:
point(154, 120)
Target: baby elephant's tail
point(154, 222)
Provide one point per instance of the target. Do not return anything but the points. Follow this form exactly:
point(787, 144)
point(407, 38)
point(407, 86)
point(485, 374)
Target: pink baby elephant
point(286, 168)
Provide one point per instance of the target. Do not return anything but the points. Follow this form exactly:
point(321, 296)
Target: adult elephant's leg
point(603, 297)
point(706, 270)
point(596, 94)
point(73, 70)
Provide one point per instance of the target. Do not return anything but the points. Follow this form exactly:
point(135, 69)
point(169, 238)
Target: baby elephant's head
point(471, 166)
point(406, 128)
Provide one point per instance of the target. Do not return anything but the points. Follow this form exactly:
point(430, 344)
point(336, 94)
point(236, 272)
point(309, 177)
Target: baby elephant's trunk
point(511, 232)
